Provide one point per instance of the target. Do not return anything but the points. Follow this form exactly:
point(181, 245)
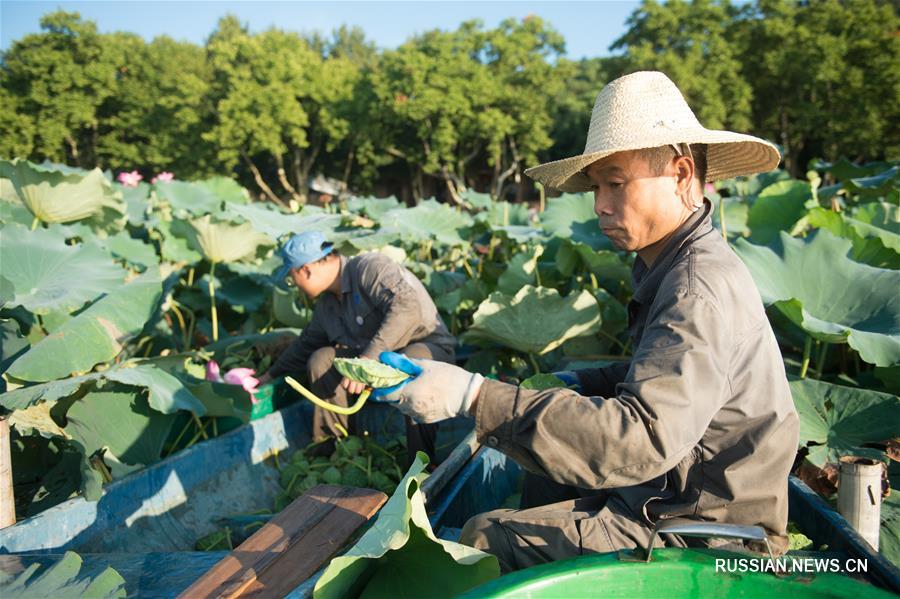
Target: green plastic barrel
point(675, 573)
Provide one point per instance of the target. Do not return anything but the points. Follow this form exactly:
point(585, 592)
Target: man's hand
point(435, 391)
point(352, 387)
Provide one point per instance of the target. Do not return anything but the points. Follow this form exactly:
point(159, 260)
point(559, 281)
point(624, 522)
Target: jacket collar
point(346, 279)
point(646, 281)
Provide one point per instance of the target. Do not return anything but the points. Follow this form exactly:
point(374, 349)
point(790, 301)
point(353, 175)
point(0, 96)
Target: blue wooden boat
point(145, 524)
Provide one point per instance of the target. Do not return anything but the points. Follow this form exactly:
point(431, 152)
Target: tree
point(691, 42)
point(60, 78)
point(826, 75)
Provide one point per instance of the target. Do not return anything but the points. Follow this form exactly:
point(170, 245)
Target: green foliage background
point(448, 110)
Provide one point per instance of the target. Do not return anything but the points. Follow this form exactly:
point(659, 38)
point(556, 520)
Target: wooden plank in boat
point(292, 546)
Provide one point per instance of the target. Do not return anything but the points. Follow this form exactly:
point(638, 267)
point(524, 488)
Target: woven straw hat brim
point(729, 155)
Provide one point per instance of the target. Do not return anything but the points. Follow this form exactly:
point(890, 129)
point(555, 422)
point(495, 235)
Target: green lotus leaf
point(165, 391)
point(49, 275)
point(519, 233)
point(362, 240)
point(174, 241)
point(372, 207)
point(466, 297)
point(62, 579)
point(571, 216)
point(401, 550)
point(428, 221)
point(777, 208)
point(878, 219)
point(504, 214)
point(224, 242)
point(889, 539)
point(137, 202)
point(540, 382)
point(121, 420)
point(478, 201)
point(863, 310)
point(96, 335)
point(876, 185)
point(370, 372)
point(54, 196)
point(536, 320)
point(872, 245)
point(837, 420)
point(607, 266)
point(11, 209)
point(522, 270)
point(736, 214)
point(36, 419)
point(287, 311)
point(7, 291)
point(273, 222)
point(133, 251)
point(201, 197)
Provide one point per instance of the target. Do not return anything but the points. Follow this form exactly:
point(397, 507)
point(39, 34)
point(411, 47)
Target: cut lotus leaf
point(55, 196)
point(400, 551)
point(428, 221)
point(61, 580)
point(96, 335)
point(540, 382)
point(372, 373)
point(777, 208)
point(275, 223)
point(224, 242)
point(49, 275)
point(536, 320)
point(837, 420)
point(863, 311)
point(36, 419)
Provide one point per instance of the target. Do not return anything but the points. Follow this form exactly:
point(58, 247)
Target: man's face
point(636, 207)
point(310, 279)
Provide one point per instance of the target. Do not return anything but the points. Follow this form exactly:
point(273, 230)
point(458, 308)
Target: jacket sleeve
point(387, 287)
point(676, 383)
point(293, 359)
point(602, 381)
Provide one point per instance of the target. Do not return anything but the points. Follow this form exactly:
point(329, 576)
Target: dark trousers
point(325, 382)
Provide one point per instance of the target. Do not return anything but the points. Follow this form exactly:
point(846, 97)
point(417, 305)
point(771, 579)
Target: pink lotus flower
point(162, 177)
point(236, 376)
point(130, 179)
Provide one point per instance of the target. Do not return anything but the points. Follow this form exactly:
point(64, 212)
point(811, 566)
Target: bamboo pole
point(7, 501)
point(859, 496)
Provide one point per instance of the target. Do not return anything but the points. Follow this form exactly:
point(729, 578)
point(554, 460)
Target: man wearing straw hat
point(700, 423)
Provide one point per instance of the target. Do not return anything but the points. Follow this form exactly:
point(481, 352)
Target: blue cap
point(300, 249)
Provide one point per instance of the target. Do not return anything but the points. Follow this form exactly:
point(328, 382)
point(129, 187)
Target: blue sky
point(588, 27)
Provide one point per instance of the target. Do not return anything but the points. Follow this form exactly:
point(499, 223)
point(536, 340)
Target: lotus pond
point(115, 300)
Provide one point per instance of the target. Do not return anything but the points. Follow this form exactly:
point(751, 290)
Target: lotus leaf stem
point(34, 223)
point(200, 426)
point(820, 361)
point(215, 432)
point(534, 363)
point(807, 349)
point(190, 280)
point(184, 429)
point(468, 267)
point(181, 323)
point(356, 407)
point(341, 429)
point(543, 200)
point(212, 302)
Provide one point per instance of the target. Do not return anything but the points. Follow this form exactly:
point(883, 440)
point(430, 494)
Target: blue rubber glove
point(435, 391)
point(401, 363)
point(570, 378)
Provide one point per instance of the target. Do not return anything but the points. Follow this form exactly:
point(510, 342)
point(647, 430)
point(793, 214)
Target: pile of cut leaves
point(355, 462)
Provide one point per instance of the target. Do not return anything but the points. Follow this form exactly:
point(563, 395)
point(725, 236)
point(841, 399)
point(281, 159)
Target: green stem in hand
point(356, 407)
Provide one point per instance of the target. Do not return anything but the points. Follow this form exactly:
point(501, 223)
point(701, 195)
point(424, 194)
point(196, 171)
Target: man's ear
point(305, 271)
point(684, 175)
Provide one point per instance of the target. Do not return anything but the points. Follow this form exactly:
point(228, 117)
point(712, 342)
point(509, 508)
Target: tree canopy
point(448, 110)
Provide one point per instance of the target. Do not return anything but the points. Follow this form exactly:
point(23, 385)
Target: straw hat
point(646, 110)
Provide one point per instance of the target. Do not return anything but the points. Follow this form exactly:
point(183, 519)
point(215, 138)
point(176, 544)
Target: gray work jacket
point(700, 423)
point(382, 307)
